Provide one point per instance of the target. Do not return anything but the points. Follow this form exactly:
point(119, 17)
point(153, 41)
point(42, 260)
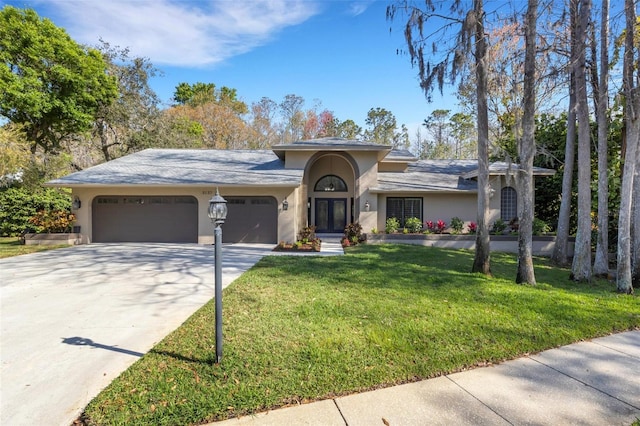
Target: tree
point(382, 126)
point(481, 261)
point(635, 232)
point(463, 131)
point(581, 266)
point(438, 126)
point(124, 125)
point(14, 154)
point(347, 129)
point(601, 263)
point(199, 93)
point(171, 130)
point(194, 94)
point(293, 117)
point(527, 149)
point(471, 39)
point(50, 84)
point(262, 121)
point(561, 249)
point(624, 283)
point(221, 128)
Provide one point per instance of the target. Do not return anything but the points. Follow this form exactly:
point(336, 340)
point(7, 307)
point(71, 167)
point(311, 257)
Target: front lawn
point(11, 246)
point(297, 329)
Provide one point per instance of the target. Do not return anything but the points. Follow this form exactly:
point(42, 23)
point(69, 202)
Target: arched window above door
point(330, 183)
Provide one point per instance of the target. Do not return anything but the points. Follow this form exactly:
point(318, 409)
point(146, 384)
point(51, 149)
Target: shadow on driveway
point(73, 319)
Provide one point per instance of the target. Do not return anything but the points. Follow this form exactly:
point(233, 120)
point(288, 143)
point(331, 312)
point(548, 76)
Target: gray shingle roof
point(443, 176)
point(503, 168)
point(400, 155)
point(331, 142)
point(429, 176)
point(178, 167)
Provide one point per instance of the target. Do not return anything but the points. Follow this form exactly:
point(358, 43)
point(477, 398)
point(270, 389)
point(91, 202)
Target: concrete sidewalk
point(587, 383)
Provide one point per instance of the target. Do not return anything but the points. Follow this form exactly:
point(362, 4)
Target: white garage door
point(159, 219)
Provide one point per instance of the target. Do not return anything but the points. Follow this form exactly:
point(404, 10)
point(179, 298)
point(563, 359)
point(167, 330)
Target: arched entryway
point(331, 183)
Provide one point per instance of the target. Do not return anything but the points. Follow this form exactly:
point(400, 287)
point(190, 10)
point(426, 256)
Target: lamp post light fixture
point(218, 213)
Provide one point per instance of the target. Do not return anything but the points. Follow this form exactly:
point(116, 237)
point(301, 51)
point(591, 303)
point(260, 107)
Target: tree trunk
point(581, 267)
point(635, 220)
point(526, 274)
point(601, 263)
point(482, 260)
point(624, 282)
point(561, 249)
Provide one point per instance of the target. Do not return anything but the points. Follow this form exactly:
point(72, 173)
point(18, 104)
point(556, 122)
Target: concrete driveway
point(74, 319)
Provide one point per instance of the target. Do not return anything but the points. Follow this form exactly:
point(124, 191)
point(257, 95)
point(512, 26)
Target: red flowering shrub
point(52, 221)
point(473, 227)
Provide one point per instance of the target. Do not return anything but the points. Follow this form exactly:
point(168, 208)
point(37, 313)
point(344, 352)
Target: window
point(330, 183)
point(508, 204)
point(404, 208)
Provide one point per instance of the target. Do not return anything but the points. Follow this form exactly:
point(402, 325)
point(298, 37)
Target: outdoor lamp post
point(218, 213)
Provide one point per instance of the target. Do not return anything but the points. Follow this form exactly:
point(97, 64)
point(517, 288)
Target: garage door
point(251, 220)
point(158, 219)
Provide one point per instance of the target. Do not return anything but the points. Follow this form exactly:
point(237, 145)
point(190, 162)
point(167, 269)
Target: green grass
point(11, 246)
point(297, 329)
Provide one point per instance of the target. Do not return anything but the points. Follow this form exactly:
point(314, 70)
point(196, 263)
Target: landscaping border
point(71, 238)
point(543, 245)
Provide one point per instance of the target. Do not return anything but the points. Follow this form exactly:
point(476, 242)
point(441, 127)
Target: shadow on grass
point(208, 360)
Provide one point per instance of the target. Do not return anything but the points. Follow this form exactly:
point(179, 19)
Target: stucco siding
point(286, 222)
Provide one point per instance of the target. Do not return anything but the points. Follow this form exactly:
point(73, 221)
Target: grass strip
point(11, 246)
point(298, 329)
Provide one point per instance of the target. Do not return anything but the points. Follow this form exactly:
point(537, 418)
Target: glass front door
point(331, 215)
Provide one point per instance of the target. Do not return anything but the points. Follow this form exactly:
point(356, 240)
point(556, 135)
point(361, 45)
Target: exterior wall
point(286, 219)
point(447, 206)
point(497, 183)
point(297, 159)
point(368, 165)
point(319, 164)
point(392, 167)
point(436, 206)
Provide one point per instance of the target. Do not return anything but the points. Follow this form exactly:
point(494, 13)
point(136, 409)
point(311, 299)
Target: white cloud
point(181, 33)
point(358, 7)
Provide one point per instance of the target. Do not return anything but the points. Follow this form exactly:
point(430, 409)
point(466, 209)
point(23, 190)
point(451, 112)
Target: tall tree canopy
point(199, 93)
point(49, 83)
point(442, 56)
point(123, 125)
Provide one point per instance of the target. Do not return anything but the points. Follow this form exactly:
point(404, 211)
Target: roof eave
point(169, 185)
point(422, 191)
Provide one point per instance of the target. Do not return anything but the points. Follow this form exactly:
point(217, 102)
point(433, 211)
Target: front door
point(331, 215)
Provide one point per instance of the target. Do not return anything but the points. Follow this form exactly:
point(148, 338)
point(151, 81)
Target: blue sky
point(341, 53)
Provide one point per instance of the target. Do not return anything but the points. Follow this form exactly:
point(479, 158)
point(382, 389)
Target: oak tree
point(50, 84)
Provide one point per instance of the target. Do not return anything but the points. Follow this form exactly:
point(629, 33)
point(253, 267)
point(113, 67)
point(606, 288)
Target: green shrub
point(392, 225)
point(307, 234)
point(353, 233)
point(413, 225)
point(456, 224)
point(18, 205)
point(499, 226)
point(540, 226)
